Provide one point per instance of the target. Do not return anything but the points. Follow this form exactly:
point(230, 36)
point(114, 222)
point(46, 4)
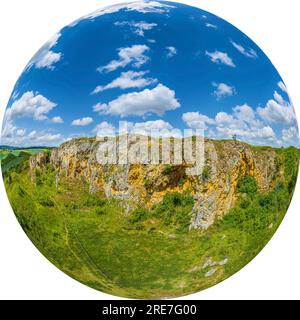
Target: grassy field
point(149, 253)
point(5, 152)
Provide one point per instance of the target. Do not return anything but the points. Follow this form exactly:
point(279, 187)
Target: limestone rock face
point(38, 161)
point(141, 184)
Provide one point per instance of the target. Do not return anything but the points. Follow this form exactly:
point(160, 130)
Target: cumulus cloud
point(30, 105)
point(196, 120)
point(20, 133)
point(278, 110)
point(279, 98)
point(245, 113)
point(154, 101)
point(129, 79)
point(8, 129)
point(171, 52)
point(290, 136)
point(57, 120)
point(134, 55)
point(45, 138)
point(242, 121)
point(264, 135)
point(223, 90)
point(46, 57)
point(220, 58)
point(140, 6)
point(104, 129)
point(138, 28)
point(82, 122)
point(150, 128)
point(282, 86)
point(19, 138)
point(250, 53)
point(223, 118)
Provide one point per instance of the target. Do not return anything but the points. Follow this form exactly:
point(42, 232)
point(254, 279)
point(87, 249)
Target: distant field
point(4, 153)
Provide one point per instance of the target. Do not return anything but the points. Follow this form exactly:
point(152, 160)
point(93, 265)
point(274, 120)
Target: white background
point(26, 25)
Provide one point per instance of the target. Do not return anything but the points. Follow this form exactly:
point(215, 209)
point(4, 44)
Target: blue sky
point(154, 64)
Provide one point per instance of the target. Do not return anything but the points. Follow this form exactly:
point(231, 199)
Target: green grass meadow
point(149, 253)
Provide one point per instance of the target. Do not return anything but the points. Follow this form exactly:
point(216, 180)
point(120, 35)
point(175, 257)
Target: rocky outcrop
point(214, 190)
point(38, 161)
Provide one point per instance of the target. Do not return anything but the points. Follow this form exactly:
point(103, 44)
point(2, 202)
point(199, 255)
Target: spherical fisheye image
point(150, 150)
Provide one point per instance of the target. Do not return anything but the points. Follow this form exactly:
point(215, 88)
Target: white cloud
point(8, 130)
point(18, 137)
point(245, 113)
point(148, 126)
point(282, 86)
point(82, 122)
point(57, 120)
point(196, 120)
point(138, 28)
point(140, 6)
point(154, 101)
point(171, 52)
point(30, 105)
point(129, 79)
point(45, 57)
point(104, 129)
point(279, 98)
point(223, 118)
point(278, 110)
point(223, 90)
point(20, 133)
point(210, 25)
point(241, 122)
point(264, 135)
point(250, 53)
point(15, 95)
point(44, 138)
point(220, 58)
point(290, 136)
point(134, 55)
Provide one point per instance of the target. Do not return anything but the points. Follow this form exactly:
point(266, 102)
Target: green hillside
point(149, 253)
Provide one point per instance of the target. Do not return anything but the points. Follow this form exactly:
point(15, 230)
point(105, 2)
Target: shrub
point(182, 182)
point(74, 206)
point(138, 215)
point(168, 169)
point(247, 185)
point(100, 211)
point(267, 201)
point(45, 201)
point(148, 184)
point(21, 192)
point(38, 177)
point(245, 203)
point(291, 162)
point(206, 173)
point(175, 210)
point(93, 201)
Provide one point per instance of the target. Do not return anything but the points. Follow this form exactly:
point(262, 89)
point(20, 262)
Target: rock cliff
point(214, 190)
